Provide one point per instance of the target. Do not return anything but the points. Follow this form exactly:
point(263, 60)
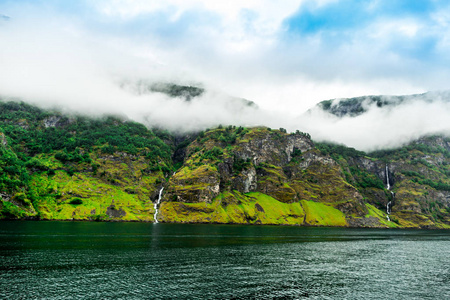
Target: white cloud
point(381, 128)
point(55, 59)
point(269, 12)
point(390, 28)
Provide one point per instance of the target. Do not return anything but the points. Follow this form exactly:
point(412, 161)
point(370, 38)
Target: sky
point(286, 56)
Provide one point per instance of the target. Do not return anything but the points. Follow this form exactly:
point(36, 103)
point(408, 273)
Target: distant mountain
point(357, 106)
point(186, 92)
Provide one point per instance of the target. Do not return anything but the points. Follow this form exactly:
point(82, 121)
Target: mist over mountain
point(184, 108)
point(379, 122)
point(367, 123)
point(360, 105)
point(122, 57)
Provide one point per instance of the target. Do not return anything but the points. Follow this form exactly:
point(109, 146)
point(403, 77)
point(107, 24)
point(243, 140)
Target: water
point(388, 184)
point(155, 216)
point(82, 260)
point(388, 187)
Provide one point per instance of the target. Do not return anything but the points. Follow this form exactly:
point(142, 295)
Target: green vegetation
point(13, 173)
point(11, 211)
point(82, 197)
point(55, 166)
point(38, 145)
point(322, 214)
point(381, 216)
point(364, 179)
point(213, 154)
point(240, 164)
point(426, 145)
point(174, 90)
point(438, 185)
point(336, 151)
point(72, 138)
point(76, 201)
point(326, 105)
point(251, 208)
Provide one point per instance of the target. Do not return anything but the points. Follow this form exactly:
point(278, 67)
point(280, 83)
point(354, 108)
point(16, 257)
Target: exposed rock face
point(5, 197)
point(114, 212)
point(201, 182)
point(270, 148)
point(418, 180)
point(288, 168)
point(285, 167)
point(198, 185)
point(315, 158)
point(51, 121)
point(246, 181)
point(437, 141)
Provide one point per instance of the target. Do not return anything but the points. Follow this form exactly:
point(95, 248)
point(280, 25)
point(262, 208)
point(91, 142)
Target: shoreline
point(215, 223)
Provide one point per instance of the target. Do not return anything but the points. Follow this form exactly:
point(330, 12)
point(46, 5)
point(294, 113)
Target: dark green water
point(71, 260)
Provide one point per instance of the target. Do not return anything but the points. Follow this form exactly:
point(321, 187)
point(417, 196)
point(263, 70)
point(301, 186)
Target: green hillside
point(69, 167)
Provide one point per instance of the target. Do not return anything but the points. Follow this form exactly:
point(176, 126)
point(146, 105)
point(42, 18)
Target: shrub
point(70, 171)
point(22, 199)
point(213, 153)
point(36, 163)
point(240, 164)
point(76, 201)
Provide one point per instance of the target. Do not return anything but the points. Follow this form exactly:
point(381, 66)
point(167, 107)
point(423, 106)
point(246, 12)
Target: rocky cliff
point(263, 176)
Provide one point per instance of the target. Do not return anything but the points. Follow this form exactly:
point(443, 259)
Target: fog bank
point(77, 56)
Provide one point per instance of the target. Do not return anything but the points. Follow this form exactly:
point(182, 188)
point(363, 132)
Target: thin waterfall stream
point(157, 205)
point(388, 187)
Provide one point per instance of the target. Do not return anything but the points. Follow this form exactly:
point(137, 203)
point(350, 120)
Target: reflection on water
point(57, 260)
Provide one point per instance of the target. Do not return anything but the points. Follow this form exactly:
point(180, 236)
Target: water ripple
point(139, 261)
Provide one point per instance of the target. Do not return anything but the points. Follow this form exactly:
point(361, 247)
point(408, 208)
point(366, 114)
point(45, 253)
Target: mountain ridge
point(357, 106)
point(59, 167)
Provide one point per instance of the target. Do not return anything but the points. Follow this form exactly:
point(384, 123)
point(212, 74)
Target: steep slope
point(258, 176)
point(263, 176)
point(72, 167)
point(417, 175)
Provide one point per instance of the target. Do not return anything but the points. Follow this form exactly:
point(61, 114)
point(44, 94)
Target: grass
point(251, 208)
point(53, 195)
point(381, 216)
point(321, 214)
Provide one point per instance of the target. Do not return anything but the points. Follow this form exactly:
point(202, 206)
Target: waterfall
point(157, 205)
point(388, 187)
point(387, 178)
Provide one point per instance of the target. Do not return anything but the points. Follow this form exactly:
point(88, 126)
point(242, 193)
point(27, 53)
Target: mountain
point(70, 167)
point(56, 166)
point(185, 92)
point(353, 107)
point(264, 176)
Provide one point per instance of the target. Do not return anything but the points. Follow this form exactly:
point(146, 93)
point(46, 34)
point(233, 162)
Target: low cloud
point(76, 57)
point(385, 127)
